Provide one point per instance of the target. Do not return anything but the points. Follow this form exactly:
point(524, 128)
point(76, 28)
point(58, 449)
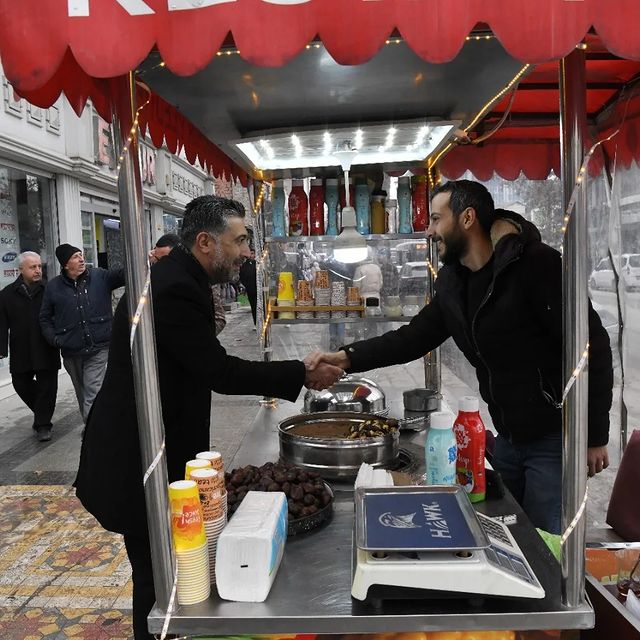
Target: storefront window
point(171, 222)
point(88, 238)
point(25, 225)
point(25, 221)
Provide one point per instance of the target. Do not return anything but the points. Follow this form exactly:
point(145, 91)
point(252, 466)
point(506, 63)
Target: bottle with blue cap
point(440, 449)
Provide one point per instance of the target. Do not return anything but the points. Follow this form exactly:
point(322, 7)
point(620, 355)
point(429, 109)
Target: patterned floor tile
point(55, 582)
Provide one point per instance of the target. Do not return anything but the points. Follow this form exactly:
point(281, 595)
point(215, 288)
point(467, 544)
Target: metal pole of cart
point(143, 352)
point(575, 324)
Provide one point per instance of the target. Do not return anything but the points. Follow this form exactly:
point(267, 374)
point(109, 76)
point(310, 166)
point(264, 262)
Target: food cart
point(150, 63)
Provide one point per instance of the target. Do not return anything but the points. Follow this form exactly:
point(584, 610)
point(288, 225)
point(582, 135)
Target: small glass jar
point(411, 306)
point(372, 308)
point(392, 307)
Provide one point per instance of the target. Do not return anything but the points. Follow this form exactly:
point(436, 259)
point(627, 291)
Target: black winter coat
point(514, 341)
point(20, 329)
point(191, 362)
point(76, 315)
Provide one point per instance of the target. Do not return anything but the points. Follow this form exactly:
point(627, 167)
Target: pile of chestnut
point(306, 492)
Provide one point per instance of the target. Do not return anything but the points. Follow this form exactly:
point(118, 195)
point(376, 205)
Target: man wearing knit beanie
point(76, 317)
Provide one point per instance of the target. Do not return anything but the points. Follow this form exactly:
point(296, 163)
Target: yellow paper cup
point(285, 286)
point(187, 522)
point(192, 465)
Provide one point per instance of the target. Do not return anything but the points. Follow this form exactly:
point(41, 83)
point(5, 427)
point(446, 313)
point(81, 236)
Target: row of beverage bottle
point(318, 213)
point(455, 449)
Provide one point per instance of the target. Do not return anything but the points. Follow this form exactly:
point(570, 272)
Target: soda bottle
point(440, 449)
point(298, 209)
point(316, 208)
point(470, 438)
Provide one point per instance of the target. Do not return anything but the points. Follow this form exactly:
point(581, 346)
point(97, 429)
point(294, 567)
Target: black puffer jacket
point(76, 315)
point(514, 341)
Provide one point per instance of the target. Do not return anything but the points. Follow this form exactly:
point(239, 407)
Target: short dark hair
point(167, 240)
point(208, 213)
point(469, 193)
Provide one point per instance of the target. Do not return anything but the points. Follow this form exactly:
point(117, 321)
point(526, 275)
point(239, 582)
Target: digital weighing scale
point(430, 541)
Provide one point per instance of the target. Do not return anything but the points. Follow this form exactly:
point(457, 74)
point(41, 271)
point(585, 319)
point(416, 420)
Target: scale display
point(433, 518)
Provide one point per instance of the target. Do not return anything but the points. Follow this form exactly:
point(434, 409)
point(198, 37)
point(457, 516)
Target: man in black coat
point(34, 363)
point(501, 302)
point(191, 363)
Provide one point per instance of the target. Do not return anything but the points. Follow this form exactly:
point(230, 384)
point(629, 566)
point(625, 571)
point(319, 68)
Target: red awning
point(109, 38)
point(79, 46)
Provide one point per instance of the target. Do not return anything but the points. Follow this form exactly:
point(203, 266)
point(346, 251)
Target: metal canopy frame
point(575, 328)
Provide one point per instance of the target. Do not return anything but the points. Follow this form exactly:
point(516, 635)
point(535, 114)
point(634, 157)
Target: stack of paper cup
point(286, 295)
point(353, 300)
point(189, 539)
point(338, 299)
point(304, 299)
point(322, 293)
point(215, 458)
point(214, 516)
point(192, 465)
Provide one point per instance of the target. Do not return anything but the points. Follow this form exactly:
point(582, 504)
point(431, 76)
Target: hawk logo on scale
point(398, 522)
point(435, 522)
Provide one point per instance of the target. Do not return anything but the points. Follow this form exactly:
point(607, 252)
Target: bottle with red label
point(470, 438)
point(419, 203)
point(316, 208)
point(298, 206)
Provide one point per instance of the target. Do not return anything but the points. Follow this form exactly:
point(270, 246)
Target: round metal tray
point(308, 523)
point(335, 457)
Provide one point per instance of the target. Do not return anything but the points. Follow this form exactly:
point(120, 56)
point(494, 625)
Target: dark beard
point(455, 248)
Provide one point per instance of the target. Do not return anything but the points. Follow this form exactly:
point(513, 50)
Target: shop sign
point(9, 246)
point(147, 165)
point(103, 144)
point(80, 8)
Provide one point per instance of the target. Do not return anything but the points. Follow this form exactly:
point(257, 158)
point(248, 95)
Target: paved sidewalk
point(61, 575)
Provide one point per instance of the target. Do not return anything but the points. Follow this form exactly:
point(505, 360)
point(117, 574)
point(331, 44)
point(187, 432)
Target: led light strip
point(481, 113)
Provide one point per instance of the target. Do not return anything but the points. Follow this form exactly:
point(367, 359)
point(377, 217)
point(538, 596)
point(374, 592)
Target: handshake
point(324, 369)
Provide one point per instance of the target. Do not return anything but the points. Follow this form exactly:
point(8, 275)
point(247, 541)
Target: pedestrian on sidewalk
point(164, 245)
point(34, 363)
point(191, 363)
point(76, 317)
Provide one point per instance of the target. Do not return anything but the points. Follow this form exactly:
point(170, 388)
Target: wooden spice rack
point(276, 308)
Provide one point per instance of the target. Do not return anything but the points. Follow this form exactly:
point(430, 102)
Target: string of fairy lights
point(431, 169)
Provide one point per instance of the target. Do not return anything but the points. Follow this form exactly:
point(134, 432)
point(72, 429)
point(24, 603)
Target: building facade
point(58, 184)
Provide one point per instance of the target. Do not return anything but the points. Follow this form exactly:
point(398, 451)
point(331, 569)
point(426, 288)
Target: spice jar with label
point(377, 213)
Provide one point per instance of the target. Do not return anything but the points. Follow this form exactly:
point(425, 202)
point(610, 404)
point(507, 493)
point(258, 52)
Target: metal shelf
point(343, 320)
point(373, 238)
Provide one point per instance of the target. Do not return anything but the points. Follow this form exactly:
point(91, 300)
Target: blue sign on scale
point(416, 521)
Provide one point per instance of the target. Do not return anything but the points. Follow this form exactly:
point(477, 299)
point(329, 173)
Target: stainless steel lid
point(350, 393)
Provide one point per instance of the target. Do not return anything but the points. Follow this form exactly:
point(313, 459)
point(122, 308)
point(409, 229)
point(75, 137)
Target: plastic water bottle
point(332, 199)
point(404, 205)
point(277, 211)
point(470, 436)
point(363, 209)
point(440, 449)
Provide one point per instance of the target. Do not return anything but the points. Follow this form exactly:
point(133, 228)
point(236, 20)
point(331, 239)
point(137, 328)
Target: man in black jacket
point(34, 363)
point(191, 363)
point(503, 308)
point(76, 317)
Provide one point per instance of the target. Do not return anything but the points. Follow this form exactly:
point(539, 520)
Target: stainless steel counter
point(312, 591)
